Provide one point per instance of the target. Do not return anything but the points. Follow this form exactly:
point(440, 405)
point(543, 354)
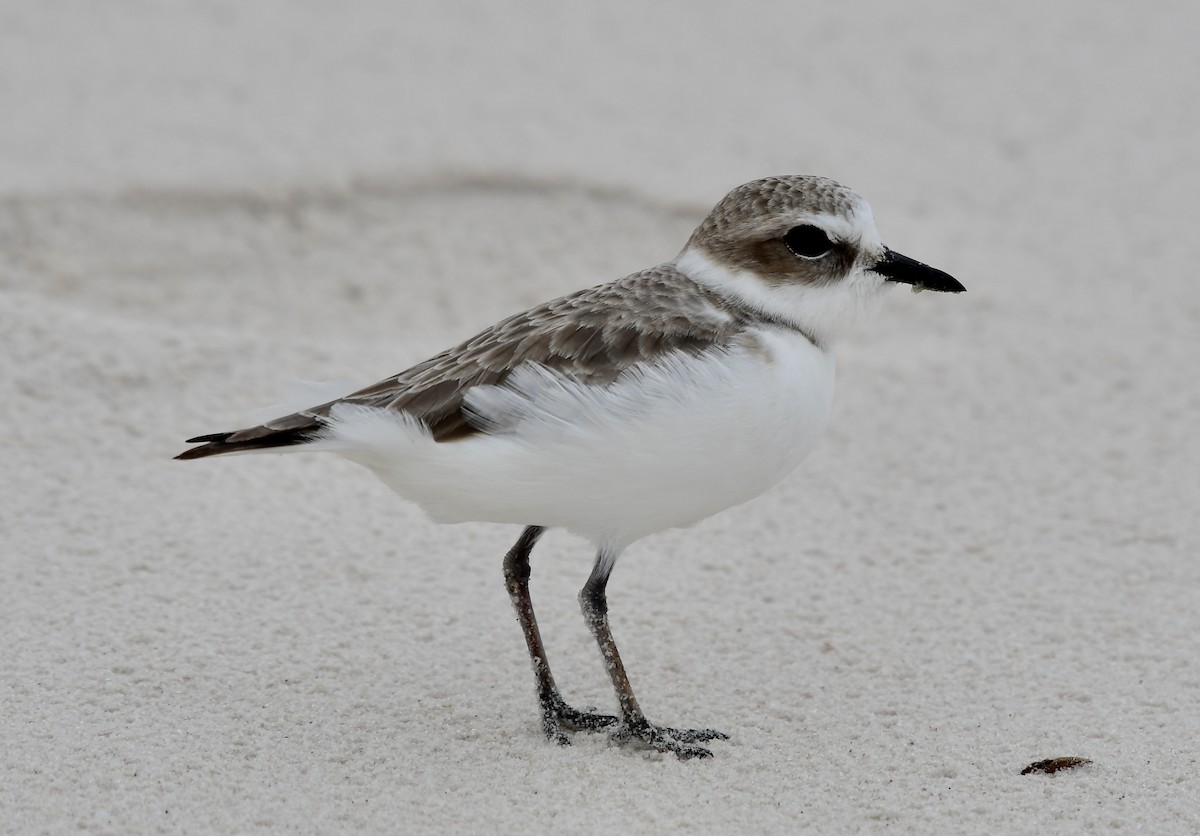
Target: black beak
point(905, 270)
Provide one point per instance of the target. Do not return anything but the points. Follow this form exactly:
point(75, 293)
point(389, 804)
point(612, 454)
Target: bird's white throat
point(823, 311)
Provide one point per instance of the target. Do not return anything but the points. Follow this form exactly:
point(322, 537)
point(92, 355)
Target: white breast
point(661, 447)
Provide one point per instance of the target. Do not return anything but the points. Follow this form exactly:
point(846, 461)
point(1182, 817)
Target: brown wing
point(592, 335)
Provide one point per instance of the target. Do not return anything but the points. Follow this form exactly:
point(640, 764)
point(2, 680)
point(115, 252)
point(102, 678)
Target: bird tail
point(264, 437)
point(301, 422)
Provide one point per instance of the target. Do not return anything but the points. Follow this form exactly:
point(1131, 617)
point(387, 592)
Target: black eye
point(807, 241)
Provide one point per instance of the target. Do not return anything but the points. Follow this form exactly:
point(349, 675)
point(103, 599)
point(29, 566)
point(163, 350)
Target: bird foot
point(666, 739)
point(558, 718)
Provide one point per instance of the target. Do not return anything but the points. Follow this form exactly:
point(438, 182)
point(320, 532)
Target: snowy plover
point(647, 403)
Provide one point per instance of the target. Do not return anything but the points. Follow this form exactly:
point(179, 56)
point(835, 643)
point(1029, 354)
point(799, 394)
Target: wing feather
point(592, 336)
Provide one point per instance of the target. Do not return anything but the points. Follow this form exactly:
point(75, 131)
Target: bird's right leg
point(558, 718)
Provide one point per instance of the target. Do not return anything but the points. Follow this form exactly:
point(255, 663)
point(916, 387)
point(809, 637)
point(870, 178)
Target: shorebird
point(647, 403)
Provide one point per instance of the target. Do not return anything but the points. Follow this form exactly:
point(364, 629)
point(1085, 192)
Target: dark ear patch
point(776, 264)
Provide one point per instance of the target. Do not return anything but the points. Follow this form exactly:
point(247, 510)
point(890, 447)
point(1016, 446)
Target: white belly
point(659, 448)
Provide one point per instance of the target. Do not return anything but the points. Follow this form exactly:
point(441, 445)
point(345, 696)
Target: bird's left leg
point(634, 725)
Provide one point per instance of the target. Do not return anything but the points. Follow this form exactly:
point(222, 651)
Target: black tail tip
point(218, 443)
point(203, 439)
point(212, 444)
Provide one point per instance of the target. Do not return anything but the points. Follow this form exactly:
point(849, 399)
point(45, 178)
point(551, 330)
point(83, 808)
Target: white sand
point(990, 560)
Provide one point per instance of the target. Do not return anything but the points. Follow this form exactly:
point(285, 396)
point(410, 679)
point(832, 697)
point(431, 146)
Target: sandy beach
point(990, 559)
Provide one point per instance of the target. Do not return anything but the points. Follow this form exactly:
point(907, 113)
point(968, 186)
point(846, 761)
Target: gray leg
point(557, 717)
point(634, 725)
